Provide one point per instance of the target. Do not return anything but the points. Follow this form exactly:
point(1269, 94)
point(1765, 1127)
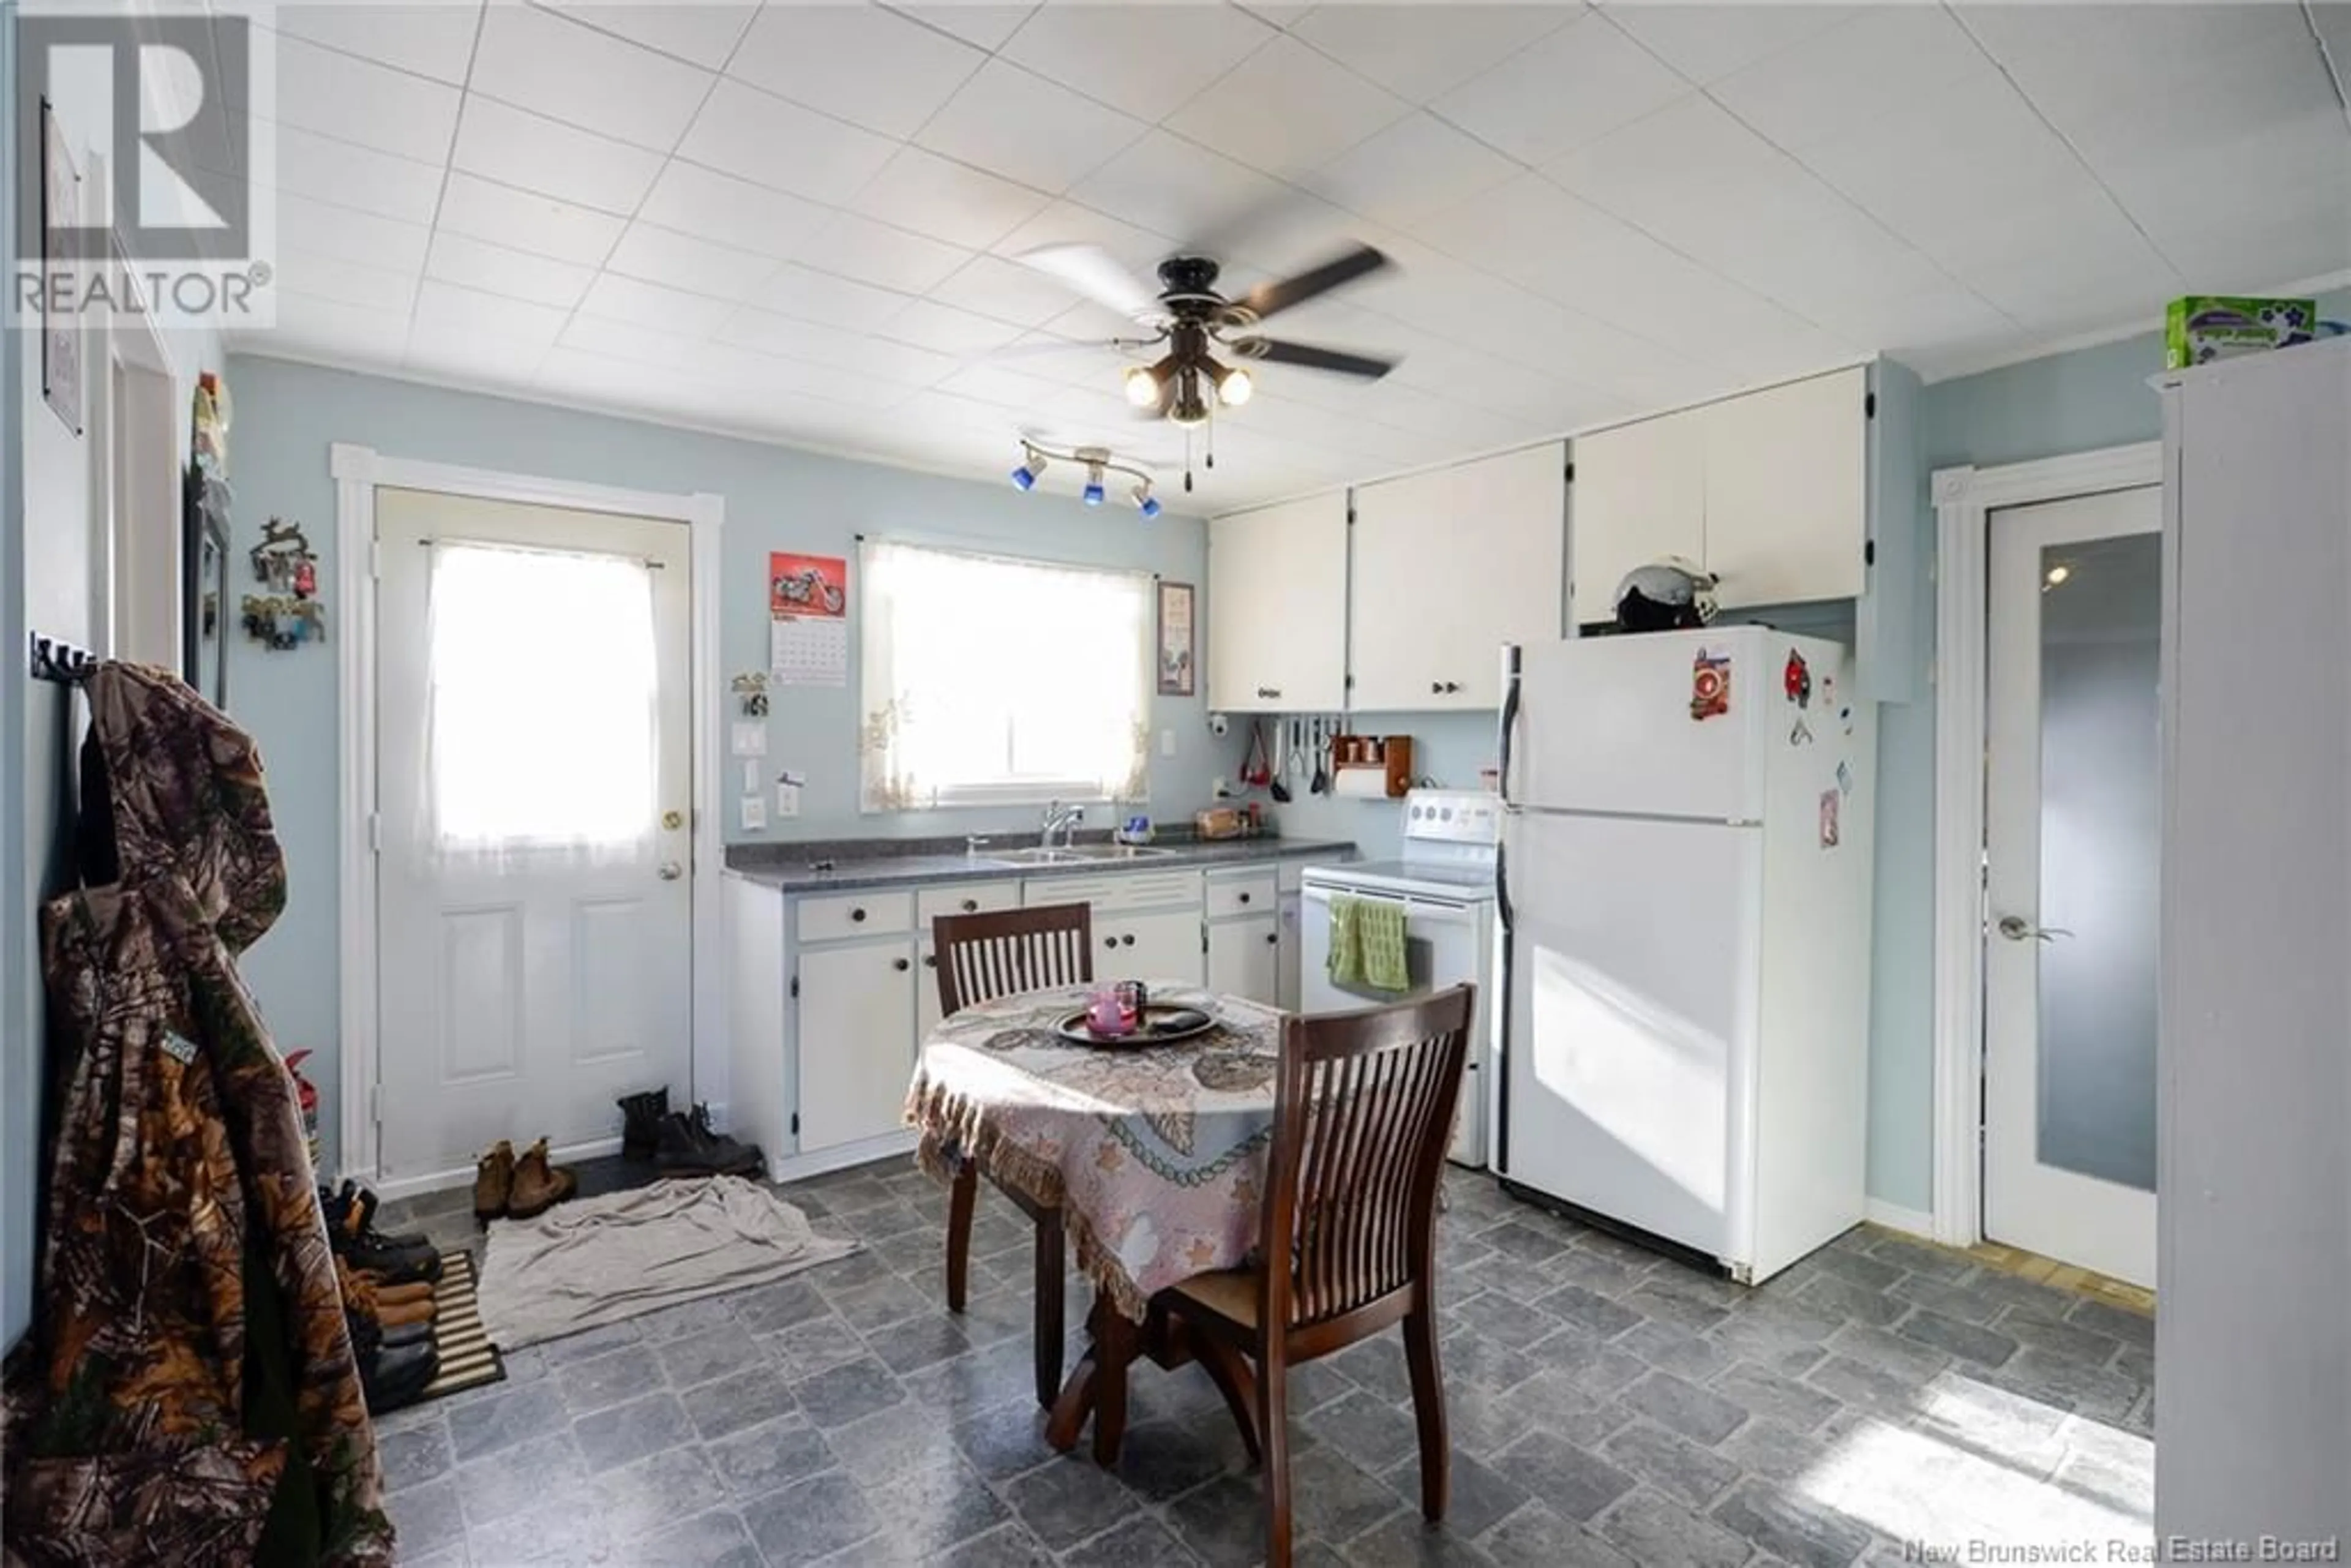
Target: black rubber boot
point(351, 1232)
point(641, 1119)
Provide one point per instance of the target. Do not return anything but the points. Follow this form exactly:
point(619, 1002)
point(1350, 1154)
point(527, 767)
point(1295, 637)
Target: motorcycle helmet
point(1668, 594)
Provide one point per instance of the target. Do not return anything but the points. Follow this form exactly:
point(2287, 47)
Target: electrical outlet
point(1224, 789)
point(1166, 743)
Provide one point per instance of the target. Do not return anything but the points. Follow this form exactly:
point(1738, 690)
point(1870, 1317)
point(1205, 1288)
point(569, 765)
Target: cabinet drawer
point(854, 914)
point(965, 898)
point(1242, 893)
point(1133, 889)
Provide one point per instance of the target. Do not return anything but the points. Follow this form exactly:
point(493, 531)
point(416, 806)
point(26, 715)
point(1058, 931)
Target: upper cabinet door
point(1449, 567)
point(1640, 493)
point(1787, 472)
point(1278, 608)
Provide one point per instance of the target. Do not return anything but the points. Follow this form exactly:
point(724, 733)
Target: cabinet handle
point(1109, 941)
point(1437, 688)
point(1272, 939)
point(901, 964)
point(970, 905)
point(857, 915)
point(1268, 691)
point(1128, 941)
point(1242, 898)
point(930, 960)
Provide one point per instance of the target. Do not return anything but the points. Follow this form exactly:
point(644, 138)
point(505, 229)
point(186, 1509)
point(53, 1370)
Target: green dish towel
point(1367, 944)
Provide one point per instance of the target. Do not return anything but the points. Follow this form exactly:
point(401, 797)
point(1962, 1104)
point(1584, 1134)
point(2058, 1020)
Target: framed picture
point(1177, 667)
point(60, 332)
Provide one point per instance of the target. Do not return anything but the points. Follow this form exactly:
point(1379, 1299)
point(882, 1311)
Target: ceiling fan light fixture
point(1234, 384)
point(1142, 387)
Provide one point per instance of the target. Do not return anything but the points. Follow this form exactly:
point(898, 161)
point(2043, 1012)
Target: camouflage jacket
point(187, 1393)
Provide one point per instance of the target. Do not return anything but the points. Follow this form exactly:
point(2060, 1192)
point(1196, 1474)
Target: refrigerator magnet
point(1844, 778)
point(1829, 799)
point(1709, 685)
point(1798, 679)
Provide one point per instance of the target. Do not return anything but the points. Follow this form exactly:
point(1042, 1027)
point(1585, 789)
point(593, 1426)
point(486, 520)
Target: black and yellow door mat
point(468, 1359)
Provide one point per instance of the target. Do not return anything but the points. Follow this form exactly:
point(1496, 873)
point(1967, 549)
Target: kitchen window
point(989, 681)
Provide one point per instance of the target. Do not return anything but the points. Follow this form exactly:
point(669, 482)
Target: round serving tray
point(1163, 1023)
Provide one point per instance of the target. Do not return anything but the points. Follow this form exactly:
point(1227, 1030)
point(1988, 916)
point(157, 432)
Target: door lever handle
point(2017, 928)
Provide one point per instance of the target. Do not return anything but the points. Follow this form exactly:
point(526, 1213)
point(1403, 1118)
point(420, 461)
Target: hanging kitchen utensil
point(1254, 771)
point(1282, 750)
point(1320, 783)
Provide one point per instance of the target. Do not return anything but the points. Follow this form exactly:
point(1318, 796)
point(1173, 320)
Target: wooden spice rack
point(1369, 766)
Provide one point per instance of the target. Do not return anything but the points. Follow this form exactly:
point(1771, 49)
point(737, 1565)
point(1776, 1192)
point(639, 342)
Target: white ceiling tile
point(878, 254)
point(1417, 166)
point(1089, 323)
point(643, 304)
point(1851, 73)
point(342, 281)
point(518, 275)
point(609, 337)
point(327, 329)
point(514, 148)
point(703, 35)
point(714, 206)
point(999, 383)
point(538, 60)
point(495, 360)
point(936, 196)
point(2241, 98)
point(434, 40)
point(2075, 61)
point(522, 220)
point(679, 261)
point(1021, 126)
point(1067, 223)
point(445, 312)
point(857, 61)
point(350, 99)
point(978, 23)
point(1420, 51)
point(1005, 290)
point(351, 175)
point(349, 236)
point(1165, 184)
point(759, 137)
point(811, 295)
point(576, 375)
point(816, 344)
point(1708, 42)
point(927, 324)
point(1286, 110)
point(2264, 255)
point(1145, 59)
point(1571, 86)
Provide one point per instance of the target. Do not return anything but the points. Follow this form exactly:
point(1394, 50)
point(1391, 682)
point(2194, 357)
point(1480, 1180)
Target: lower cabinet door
point(1244, 958)
point(1150, 947)
point(855, 1040)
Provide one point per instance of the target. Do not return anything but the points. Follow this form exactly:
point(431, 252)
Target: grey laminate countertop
point(792, 867)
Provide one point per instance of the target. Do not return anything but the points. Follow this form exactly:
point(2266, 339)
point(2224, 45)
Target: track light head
point(1032, 464)
point(1144, 501)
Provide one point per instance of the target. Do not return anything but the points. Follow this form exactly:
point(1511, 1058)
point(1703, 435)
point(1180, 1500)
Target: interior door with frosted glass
point(2072, 837)
point(535, 874)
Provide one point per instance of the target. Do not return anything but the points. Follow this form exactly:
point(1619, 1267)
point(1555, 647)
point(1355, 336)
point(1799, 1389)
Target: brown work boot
point(538, 1186)
point(493, 1175)
point(362, 1300)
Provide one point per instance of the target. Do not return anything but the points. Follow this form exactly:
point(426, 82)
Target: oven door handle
point(1423, 909)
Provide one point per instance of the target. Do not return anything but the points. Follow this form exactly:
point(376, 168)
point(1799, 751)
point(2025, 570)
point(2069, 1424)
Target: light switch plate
point(1166, 743)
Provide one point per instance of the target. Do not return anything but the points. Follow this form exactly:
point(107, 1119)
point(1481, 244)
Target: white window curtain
point(989, 681)
point(542, 730)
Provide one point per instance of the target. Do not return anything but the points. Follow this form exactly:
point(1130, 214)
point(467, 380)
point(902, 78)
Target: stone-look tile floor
point(1608, 1407)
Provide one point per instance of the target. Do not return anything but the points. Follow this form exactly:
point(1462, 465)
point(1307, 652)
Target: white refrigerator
point(1685, 890)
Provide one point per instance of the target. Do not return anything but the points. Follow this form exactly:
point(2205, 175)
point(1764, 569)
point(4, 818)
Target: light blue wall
point(777, 498)
point(2063, 403)
point(1447, 749)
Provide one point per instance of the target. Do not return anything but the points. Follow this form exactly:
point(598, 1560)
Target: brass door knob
point(673, 821)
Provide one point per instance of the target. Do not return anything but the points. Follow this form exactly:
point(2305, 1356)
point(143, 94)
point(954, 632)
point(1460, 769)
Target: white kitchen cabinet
point(1277, 613)
point(855, 1030)
point(1244, 957)
point(1639, 493)
point(1787, 472)
point(1163, 946)
point(927, 993)
point(1416, 641)
point(1769, 491)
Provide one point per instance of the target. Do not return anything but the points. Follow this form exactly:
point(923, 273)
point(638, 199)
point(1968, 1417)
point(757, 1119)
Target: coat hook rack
point(53, 659)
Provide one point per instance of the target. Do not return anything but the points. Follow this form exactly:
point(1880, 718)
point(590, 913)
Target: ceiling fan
point(1195, 321)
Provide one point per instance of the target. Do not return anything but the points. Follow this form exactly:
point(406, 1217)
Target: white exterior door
point(533, 780)
point(2071, 842)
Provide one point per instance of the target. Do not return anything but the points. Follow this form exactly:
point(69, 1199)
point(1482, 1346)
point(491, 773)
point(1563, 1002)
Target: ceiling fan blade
point(1265, 300)
point(1311, 358)
point(1091, 271)
point(1037, 349)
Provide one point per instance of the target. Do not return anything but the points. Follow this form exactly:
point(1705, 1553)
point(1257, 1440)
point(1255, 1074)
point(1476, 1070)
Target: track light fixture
point(1098, 464)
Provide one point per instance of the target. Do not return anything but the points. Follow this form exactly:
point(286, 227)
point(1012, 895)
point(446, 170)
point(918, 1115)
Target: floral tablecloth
point(1156, 1156)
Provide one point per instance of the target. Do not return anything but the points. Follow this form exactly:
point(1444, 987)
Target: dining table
point(1153, 1154)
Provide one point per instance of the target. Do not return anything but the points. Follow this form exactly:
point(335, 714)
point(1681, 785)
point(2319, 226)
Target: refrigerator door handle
point(1510, 721)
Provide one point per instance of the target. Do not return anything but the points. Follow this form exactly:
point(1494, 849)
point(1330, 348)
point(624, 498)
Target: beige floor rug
point(601, 1261)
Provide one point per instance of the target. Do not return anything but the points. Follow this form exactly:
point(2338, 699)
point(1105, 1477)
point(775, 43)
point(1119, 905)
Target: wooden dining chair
point(1348, 1239)
point(979, 958)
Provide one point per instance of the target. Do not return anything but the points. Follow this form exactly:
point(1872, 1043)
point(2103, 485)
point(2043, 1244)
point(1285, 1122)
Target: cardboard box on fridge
point(2207, 326)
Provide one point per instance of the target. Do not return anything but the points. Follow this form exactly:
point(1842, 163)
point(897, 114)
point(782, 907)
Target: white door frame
point(358, 472)
point(1965, 498)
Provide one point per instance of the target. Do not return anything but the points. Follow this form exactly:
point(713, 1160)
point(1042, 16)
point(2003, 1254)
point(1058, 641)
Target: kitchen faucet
point(1060, 818)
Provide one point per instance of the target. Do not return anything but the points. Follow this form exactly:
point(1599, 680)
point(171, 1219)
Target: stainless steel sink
point(1078, 854)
